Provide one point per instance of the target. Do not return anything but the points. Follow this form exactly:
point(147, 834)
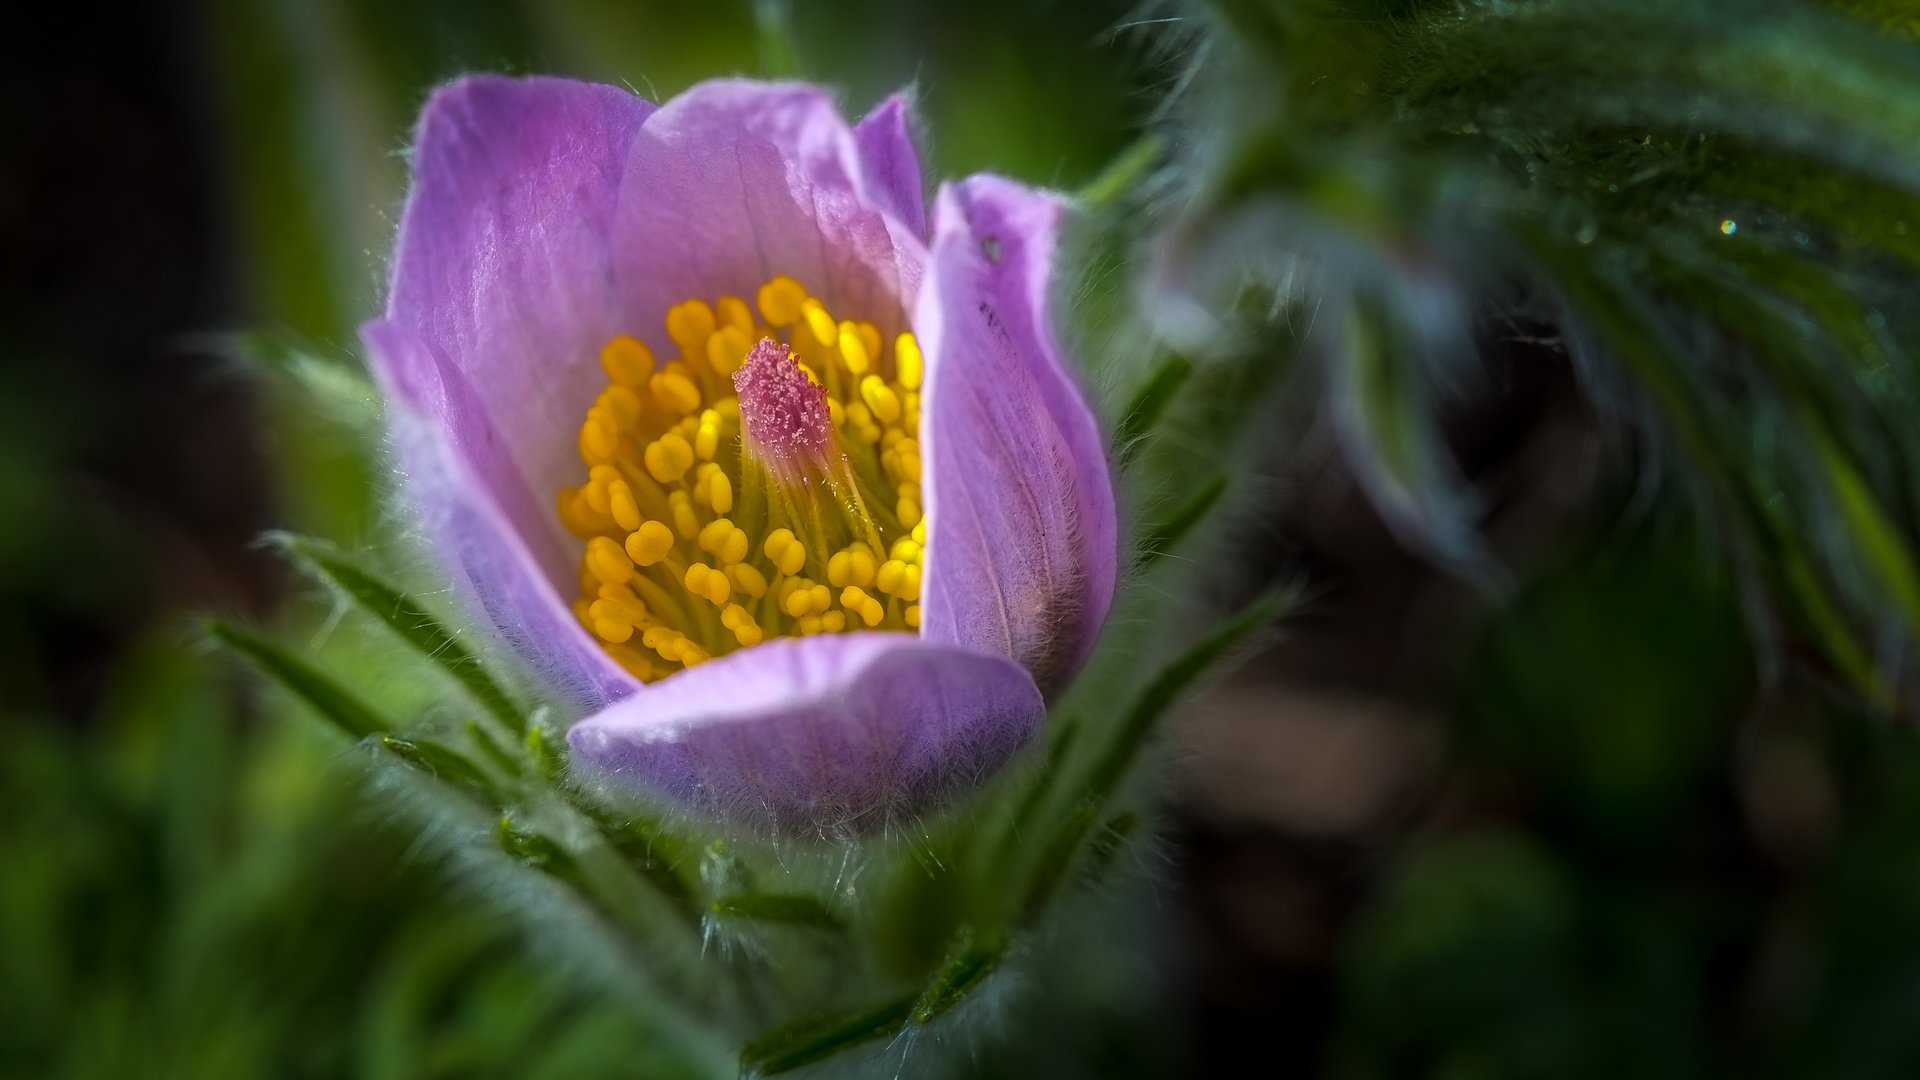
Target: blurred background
point(1575, 824)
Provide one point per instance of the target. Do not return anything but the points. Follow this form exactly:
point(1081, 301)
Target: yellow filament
point(693, 547)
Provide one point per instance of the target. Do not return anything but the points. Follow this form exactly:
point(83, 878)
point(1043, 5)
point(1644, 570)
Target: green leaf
point(1107, 842)
point(1149, 404)
point(411, 621)
point(1877, 541)
point(1124, 175)
point(540, 852)
point(549, 755)
point(1056, 858)
point(334, 388)
point(444, 763)
point(817, 1038)
point(1172, 681)
point(792, 909)
point(973, 957)
point(491, 747)
point(1040, 784)
point(1164, 537)
point(327, 697)
point(648, 846)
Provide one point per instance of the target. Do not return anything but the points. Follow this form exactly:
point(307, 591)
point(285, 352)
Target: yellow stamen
point(627, 362)
point(707, 531)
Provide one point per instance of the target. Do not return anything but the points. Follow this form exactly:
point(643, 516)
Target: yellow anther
point(901, 579)
point(606, 611)
point(745, 630)
point(907, 362)
point(854, 566)
point(608, 562)
point(870, 339)
point(905, 550)
point(833, 622)
point(713, 489)
point(622, 405)
point(594, 491)
point(913, 616)
point(627, 362)
point(706, 441)
point(907, 461)
point(707, 583)
point(686, 521)
point(780, 301)
point(785, 551)
point(825, 331)
point(798, 601)
point(856, 600)
point(622, 507)
point(633, 660)
point(748, 579)
point(853, 351)
point(576, 515)
point(649, 543)
point(919, 534)
point(689, 325)
point(727, 350)
point(734, 314)
point(612, 631)
point(668, 458)
point(861, 418)
point(597, 439)
point(880, 398)
point(674, 391)
point(724, 540)
point(811, 625)
point(908, 511)
point(621, 599)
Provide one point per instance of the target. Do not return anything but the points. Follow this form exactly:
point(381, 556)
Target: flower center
point(764, 483)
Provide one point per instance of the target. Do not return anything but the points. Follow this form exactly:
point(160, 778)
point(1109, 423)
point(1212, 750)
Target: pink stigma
point(784, 413)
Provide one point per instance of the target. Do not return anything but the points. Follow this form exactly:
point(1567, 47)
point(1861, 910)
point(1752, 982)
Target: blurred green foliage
point(1650, 876)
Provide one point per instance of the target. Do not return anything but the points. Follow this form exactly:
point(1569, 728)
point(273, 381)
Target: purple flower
point(781, 486)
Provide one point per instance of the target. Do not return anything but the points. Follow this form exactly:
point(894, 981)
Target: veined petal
point(834, 732)
point(733, 182)
point(1022, 545)
point(443, 459)
point(503, 293)
point(504, 264)
point(890, 163)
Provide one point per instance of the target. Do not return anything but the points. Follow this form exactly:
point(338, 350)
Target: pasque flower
point(783, 488)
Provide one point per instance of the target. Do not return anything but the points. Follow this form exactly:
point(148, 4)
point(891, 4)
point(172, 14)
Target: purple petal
point(503, 293)
point(833, 732)
point(1022, 547)
point(734, 182)
point(890, 163)
point(484, 556)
